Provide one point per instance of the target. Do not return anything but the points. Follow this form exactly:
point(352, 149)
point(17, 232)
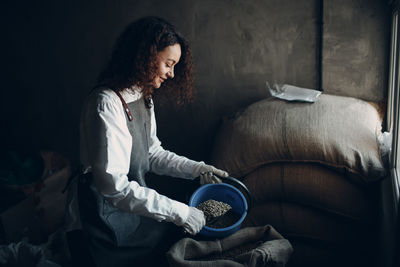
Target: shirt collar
point(131, 94)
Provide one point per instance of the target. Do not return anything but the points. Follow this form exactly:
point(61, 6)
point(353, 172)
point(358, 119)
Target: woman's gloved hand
point(208, 174)
point(195, 221)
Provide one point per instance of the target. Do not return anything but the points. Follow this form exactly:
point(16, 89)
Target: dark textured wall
point(52, 52)
point(355, 48)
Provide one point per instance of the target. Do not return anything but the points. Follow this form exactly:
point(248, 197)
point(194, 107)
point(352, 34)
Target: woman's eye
point(168, 66)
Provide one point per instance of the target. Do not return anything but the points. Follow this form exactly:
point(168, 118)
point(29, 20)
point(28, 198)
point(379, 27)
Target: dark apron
point(115, 237)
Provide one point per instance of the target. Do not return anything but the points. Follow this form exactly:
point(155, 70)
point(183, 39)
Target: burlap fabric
point(300, 222)
point(311, 169)
point(314, 186)
point(336, 131)
point(251, 246)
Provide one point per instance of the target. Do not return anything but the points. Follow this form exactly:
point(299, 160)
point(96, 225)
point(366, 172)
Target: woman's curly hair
point(133, 61)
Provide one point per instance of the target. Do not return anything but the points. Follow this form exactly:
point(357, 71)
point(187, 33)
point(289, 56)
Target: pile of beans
point(213, 209)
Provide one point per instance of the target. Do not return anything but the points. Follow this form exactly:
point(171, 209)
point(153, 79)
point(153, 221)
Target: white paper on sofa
point(293, 93)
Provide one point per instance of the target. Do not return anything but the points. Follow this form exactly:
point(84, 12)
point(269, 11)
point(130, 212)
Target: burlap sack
point(296, 221)
point(312, 185)
point(251, 246)
point(336, 131)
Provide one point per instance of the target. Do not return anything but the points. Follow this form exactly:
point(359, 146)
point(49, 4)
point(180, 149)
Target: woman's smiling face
point(165, 62)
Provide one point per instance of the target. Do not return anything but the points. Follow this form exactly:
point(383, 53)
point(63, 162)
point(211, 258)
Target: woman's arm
point(164, 162)
point(107, 142)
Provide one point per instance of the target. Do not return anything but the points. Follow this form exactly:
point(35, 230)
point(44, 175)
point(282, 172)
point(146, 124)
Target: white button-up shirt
point(105, 150)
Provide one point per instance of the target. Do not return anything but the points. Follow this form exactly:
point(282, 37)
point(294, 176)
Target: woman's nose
point(171, 74)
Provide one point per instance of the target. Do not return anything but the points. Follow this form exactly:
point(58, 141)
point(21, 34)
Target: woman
point(124, 222)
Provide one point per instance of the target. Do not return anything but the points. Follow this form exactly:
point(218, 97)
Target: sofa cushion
point(336, 131)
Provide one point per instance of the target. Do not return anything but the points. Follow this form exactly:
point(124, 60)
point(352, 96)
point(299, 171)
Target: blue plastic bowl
point(225, 193)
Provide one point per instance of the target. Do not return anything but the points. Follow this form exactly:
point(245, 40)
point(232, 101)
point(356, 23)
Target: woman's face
point(165, 62)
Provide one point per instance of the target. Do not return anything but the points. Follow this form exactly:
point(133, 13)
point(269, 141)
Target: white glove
point(195, 221)
point(206, 173)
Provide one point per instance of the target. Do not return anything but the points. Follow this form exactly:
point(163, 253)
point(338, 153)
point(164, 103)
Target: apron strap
point(127, 110)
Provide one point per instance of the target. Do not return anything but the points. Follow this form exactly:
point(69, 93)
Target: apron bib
point(118, 238)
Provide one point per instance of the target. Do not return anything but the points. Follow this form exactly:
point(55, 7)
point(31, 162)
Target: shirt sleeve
point(164, 162)
point(107, 142)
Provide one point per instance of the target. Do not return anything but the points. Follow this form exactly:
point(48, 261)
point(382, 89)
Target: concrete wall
point(52, 52)
point(355, 48)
